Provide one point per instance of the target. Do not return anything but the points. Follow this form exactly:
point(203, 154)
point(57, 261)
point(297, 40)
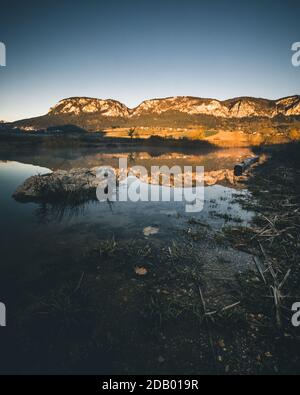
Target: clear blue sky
point(131, 50)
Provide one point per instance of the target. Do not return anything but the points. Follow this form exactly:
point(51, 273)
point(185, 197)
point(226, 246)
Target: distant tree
point(131, 133)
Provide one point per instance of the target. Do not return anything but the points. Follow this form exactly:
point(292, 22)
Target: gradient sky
point(132, 50)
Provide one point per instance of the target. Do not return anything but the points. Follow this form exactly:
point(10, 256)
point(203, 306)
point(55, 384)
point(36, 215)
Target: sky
point(132, 50)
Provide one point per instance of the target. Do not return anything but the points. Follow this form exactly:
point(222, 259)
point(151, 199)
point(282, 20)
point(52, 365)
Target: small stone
point(150, 230)
point(141, 271)
point(221, 343)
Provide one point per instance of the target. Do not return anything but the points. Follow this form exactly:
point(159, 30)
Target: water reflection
point(218, 204)
point(47, 212)
point(66, 159)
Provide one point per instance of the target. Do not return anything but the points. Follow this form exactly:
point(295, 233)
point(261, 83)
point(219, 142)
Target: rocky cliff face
point(187, 105)
point(86, 105)
point(289, 105)
point(233, 108)
point(172, 112)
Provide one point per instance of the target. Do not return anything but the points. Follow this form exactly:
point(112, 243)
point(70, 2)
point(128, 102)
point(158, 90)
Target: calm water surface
point(30, 232)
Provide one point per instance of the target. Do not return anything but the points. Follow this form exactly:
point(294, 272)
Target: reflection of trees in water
point(132, 156)
point(156, 153)
point(49, 212)
point(57, 212)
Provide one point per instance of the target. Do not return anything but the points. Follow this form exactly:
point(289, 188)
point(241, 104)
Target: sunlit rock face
point(289, 106)
point(243, 107)
point(233, 108)
point(175, 112)
point(247, 108)
point(81, 105)
point(188, 105)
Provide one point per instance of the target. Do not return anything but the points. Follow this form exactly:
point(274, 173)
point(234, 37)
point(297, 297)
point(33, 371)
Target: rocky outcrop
point(72, 186)
point(187, 105)
point(289, 105)
point(86, 105)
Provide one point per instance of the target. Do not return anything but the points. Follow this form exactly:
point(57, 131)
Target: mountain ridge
point(240, 113)
point(237, 107)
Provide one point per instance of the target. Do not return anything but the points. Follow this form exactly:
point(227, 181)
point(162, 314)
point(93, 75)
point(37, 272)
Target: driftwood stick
point(257, 264)
point(241, 167)
point(211, 342)
point(79, 284)
point(231, 306)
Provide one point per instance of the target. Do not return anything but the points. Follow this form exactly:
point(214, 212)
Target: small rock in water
point(150, 230)
point(141, 271)
point(221, 343)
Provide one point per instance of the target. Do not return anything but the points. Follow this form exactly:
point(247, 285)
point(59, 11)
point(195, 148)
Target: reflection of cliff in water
point(66, 159)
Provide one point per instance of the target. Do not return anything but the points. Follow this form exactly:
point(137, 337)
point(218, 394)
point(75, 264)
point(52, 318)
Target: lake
point(123, 218)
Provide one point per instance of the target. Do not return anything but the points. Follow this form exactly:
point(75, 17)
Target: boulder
point(75, 185)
